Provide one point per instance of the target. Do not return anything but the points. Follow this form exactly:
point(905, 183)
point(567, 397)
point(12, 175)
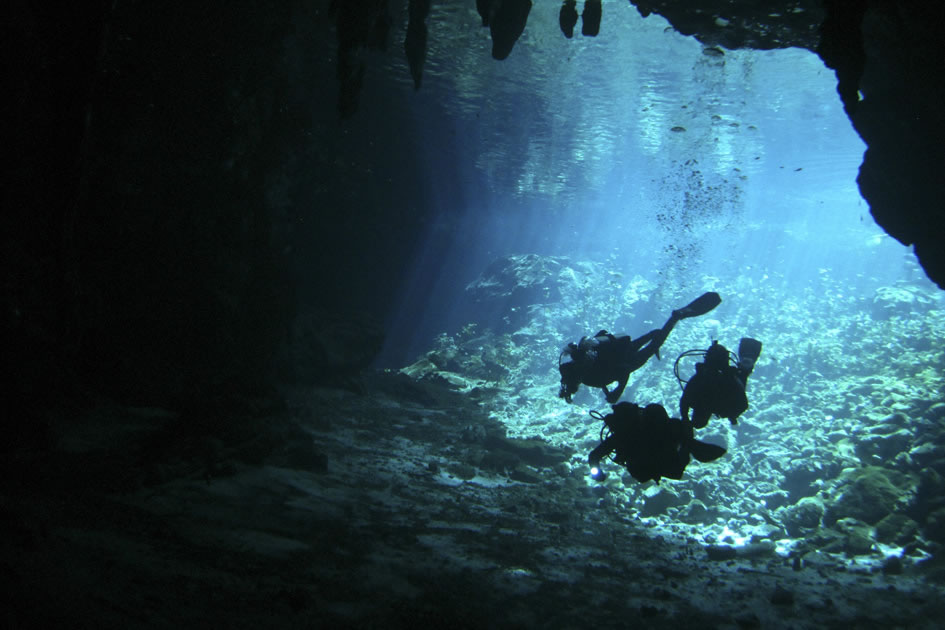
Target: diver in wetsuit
point(649, 443)
point(718, 386)
point(605, 358)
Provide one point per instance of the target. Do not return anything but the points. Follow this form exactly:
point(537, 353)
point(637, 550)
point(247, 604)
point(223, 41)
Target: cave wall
point(901, 118)
point(175, 195)
point(176, 283)
point(147, 253)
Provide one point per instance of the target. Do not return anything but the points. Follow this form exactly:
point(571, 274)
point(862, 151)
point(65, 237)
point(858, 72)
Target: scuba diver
point(649, 443)
point(718, 386)
point(605, 358)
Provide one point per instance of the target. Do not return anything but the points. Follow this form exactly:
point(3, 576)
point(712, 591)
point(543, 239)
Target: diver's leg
point(615, 394)
point(700, 418)
point(748, 352)
point(676, 465)
point(699, 306)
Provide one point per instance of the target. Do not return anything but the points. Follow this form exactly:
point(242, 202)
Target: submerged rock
point(720, 553)
point(901, 301)
point(882, 444)
point(510, 285)
point(659, 499)
point(896, 529)
point(868, 494)
point(803, 516)
point(858, 536)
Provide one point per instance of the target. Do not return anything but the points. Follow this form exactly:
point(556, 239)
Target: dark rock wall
point(902, 120)
point(145, 245)
point(741, 23)
point(888, 59)
point(177, 282)
point(180, 191)
point(49, 56)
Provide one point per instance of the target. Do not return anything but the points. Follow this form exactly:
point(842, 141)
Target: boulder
point(659, 499)
point(804, 516)
point(934, 527)
point(896, 301)
point(896, 529)
point(802, 478)
point(882, 444)
point(868, 494)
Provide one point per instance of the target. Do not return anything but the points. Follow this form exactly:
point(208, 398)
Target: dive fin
point(705, 452)
point(699, 306)
point(748, 351)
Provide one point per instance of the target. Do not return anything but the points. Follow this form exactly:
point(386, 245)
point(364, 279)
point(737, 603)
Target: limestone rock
point(805, 515)
point(868, 494)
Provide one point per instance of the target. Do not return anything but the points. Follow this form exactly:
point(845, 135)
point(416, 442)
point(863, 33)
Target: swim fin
point(705, 452)
point(699, 306)
point(748, 352)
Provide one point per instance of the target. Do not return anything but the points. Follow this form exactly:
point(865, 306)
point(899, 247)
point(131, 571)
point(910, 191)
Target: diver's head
point(569, 365)
point(655, 412)
point(716, 356)
point(570, 380)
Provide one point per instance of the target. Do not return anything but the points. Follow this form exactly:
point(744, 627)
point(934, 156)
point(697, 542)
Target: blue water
point(568, 148)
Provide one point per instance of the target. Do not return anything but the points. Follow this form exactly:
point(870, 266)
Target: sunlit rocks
point(662, 498)
point(902, 301)
point(802, 478)
point(522, 280)
point(868, 494)
point(840, 425)
point(882, 444)
point(802, 517)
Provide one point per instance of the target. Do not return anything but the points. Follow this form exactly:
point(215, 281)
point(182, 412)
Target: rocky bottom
point(396, 506)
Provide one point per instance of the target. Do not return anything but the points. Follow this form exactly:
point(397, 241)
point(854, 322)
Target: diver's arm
point(684, 405)
point(603, 450)
point(593, 459)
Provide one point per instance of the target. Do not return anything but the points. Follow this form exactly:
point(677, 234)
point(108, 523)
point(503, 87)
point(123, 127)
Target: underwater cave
point(288, 293)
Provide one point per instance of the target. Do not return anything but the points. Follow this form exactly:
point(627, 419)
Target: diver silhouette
point(648, 443)
point(718, 386)
point(606, 358)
